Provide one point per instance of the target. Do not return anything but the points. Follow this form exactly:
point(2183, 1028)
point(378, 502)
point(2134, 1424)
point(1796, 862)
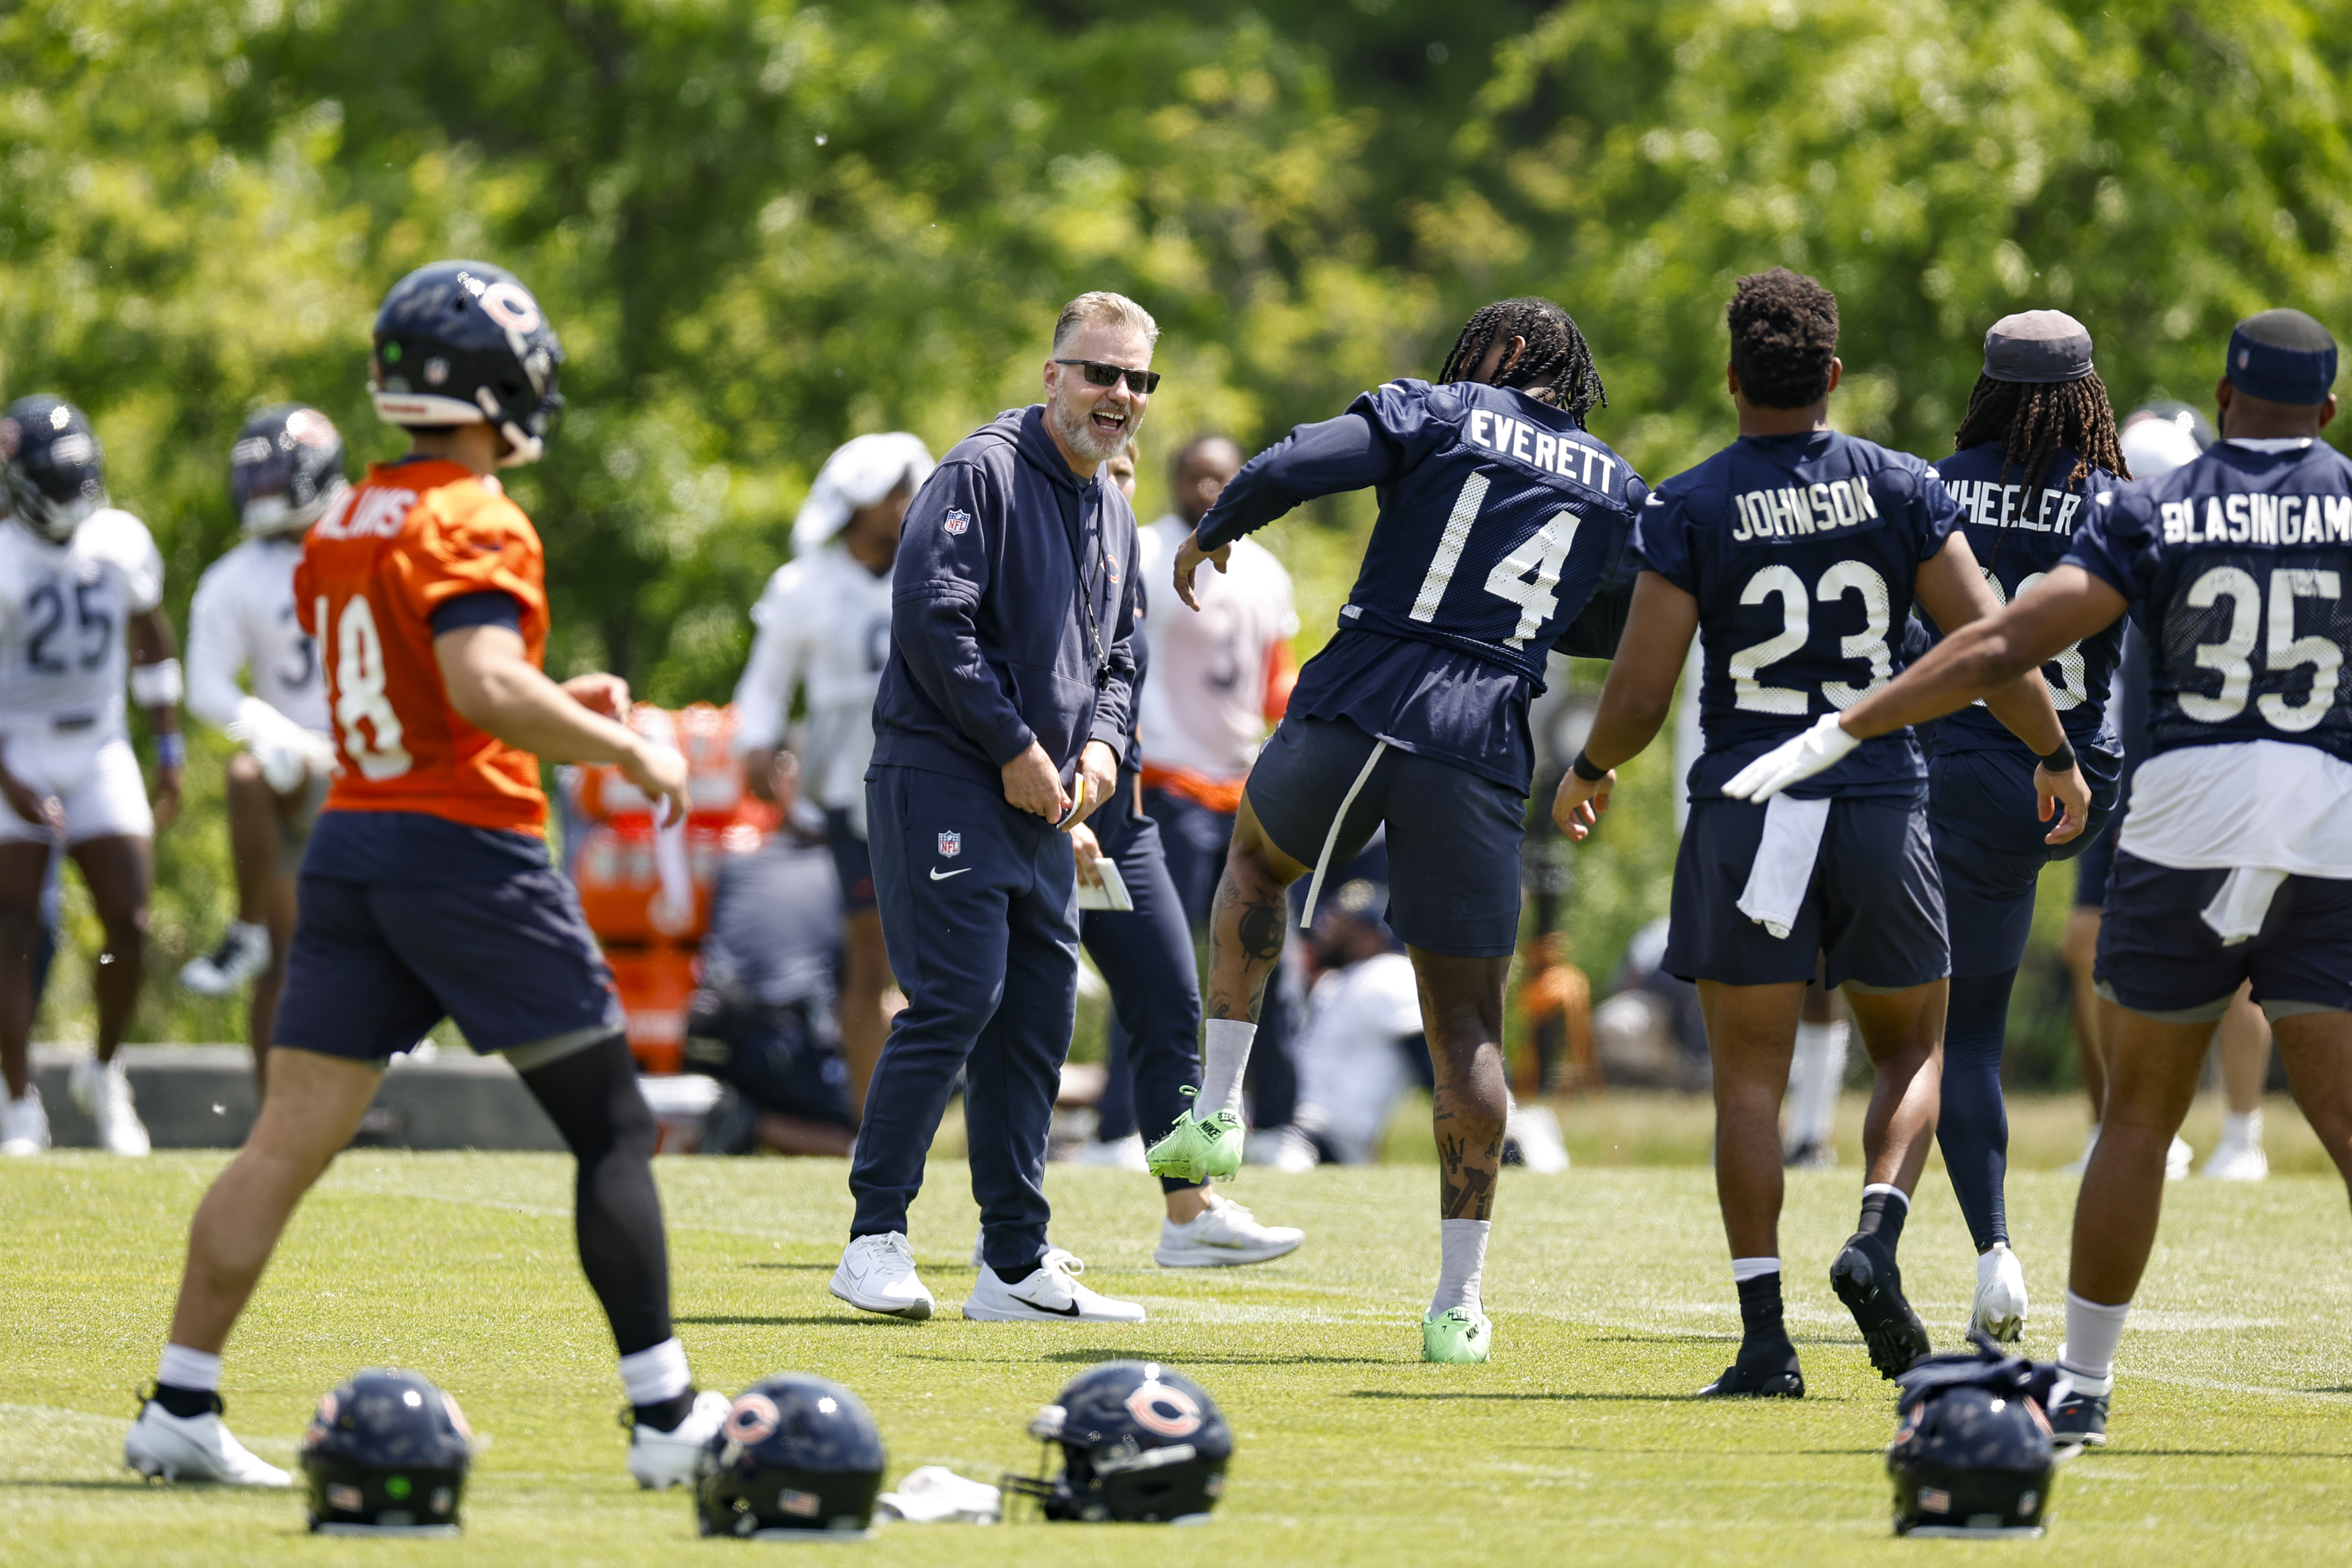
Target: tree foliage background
point(764, 227)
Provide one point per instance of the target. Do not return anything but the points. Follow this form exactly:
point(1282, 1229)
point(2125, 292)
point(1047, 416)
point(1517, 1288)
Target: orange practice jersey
point(397, 546)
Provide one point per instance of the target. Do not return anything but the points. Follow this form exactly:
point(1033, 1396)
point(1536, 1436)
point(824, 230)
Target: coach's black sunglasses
point(1139, 382)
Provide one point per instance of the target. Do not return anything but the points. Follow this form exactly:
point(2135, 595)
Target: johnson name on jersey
point(2018, 535)
point(65, 612)
point(2236, 565)
point(244, 619)
point(1800, 551)
point(824, 626)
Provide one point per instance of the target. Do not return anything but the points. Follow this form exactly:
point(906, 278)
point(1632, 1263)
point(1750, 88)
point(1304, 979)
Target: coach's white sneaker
point(243, 952)
point(1053, 1293)
point(24, 1125)
point(194, 1448)
point(877, 1275)
point(1222, 1235)
point(1534, 1131)
point(102, 1089)
point(659, 1461)
point(1119, 1154)
point(2000, 1306)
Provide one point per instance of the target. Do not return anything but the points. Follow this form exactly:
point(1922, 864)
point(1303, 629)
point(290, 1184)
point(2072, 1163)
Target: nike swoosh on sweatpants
point(939, 876)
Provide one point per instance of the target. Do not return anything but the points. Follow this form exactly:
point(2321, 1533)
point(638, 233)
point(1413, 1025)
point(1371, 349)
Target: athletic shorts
point(853, 862)
point(1982, 814)
point(2158, 957)
point(1874, 911)
point(2097, 863)
point(97, 779)
point(1322, 786)
point(374, 965)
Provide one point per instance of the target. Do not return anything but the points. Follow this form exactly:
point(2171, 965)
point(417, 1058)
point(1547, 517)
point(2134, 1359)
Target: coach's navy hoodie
point(991, 642)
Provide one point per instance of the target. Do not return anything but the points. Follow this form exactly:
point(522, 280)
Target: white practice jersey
point(823, 626)
point(1204, 698)
point(1351, 1063)
point(242, 622)
point(65, 617)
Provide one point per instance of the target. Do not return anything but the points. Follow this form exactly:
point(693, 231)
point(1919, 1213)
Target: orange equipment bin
point(616, 868)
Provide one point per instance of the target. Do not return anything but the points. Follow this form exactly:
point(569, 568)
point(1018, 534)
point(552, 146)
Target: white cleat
point(1223, 1234)
point(659, 1461)
point(1536, 1131)
point(1119, 1154)
point(2238, 1162)
point(102, 1089)
point(24, 1125)
point(2177, 1159)
point(1052, 1294)
point(877, 1275)
point(243, 954)
point(194, 1448)
point(2001, 1307)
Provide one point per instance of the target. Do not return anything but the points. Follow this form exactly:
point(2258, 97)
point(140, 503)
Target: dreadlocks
point(2033, 419)
point(1556, 367)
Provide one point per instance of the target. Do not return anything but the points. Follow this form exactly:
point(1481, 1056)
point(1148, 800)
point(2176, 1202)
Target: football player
point(285, 470)
point(427, 890)
point(1796, 554)
point(81, 595)
point(824, 630)
point(2038, 441)
point(2235, 861)
point(1502, 524)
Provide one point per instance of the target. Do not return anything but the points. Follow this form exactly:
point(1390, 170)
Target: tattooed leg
point(1462, 1014)
point(1248, 922)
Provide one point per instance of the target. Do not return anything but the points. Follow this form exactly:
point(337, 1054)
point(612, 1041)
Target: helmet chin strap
point(520, 448)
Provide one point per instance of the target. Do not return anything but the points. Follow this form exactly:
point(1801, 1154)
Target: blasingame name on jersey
point(2256, 517)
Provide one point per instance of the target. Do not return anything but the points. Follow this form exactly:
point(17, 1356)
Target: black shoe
point(1866, 1280)
point(1767, 1369)
point(2080, 1421)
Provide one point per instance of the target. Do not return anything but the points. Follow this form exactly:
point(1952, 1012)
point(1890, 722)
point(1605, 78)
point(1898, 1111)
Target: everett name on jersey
point(1800, 551)
point(409, 539)
point(1502, 521)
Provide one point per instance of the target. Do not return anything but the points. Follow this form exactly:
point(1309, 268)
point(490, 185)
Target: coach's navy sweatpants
point(1146, 958)
point(979, 908)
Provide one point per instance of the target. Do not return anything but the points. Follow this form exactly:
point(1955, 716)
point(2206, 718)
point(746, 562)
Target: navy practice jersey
point(2018, 535)
point(1800, 551)
point(1501, 534)
point(2235, 565)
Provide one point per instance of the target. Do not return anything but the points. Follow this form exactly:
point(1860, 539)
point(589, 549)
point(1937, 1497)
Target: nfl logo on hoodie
point(957, 520)
point(950, 845)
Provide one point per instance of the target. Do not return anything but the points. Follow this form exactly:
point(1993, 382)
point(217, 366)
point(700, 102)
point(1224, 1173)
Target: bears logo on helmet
point(797, 1455)
point(1140, 1443)
point(51, 466)
point(482, 348)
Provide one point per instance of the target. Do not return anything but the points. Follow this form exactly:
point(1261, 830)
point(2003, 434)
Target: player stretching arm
point(1798, 552)
point(2235, 862)
point(1502, 525)
point(427, 890)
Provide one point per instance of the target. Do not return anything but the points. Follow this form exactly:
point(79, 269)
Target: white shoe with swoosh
point(1052, 1294)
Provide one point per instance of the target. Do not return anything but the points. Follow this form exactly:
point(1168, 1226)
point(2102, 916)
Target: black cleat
point(1767, 1370)
point(2079, 1421)
point(1866, 1280)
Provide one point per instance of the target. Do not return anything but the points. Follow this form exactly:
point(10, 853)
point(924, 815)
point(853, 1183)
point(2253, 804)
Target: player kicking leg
point(1795, 550)
point(1502, 525)
point(427, 890)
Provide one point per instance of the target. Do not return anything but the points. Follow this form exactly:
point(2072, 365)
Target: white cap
point(859, 474)
point(2155, 446)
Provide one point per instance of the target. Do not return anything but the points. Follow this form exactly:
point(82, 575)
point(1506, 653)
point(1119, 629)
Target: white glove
point(286, 750)
point(1792, 762)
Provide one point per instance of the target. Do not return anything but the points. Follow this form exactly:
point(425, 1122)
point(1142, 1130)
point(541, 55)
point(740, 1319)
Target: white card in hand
point(1112, 894)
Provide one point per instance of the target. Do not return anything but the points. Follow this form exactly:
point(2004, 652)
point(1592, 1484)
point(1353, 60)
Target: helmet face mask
point(1140, 1443)
point(387, 1454)
point(797, 1458)
point(463, 342)
point(285, 470)
point(52, 468)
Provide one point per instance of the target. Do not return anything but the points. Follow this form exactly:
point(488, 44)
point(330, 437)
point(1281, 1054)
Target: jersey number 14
point(360, 695)
point(1527, 577)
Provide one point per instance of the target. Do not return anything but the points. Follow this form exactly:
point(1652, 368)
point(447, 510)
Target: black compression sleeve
point(592, 1098)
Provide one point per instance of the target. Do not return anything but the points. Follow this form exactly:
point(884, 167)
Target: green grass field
point(1579, 1443)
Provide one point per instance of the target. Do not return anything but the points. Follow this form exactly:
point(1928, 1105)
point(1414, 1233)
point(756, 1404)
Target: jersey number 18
point(360, 691)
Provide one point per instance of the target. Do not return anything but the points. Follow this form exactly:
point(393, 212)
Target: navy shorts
point(853, 862)
point(374, 965)
point(1874, 910)
point(2097, 863)
point(2158, 957)
point(1453, 837)
point(1981, 811)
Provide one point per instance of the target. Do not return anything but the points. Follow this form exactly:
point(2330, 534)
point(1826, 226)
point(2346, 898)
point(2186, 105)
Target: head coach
point(1000, 720)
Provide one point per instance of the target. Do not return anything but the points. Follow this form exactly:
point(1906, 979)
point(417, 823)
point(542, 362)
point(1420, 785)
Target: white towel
point(2237, 909)
point(933, 1494)
point(1784, 863)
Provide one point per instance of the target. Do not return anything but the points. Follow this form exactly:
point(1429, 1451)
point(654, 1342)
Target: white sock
point(185, 1368)
point(655, 1374)
point(1463, 1258)
point(2243, 1132)
point(1743, 1269)
point(2092, 1332)
point(1224, 1057)
point(1816, 1073)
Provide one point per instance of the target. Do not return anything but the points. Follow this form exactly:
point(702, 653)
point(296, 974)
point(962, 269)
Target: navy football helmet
point(285, 470)
point(51, 466)
point(796, 1456)
point(386, 1455)
point(1142, 1443)
point(459, 342)
point(1973, 1455)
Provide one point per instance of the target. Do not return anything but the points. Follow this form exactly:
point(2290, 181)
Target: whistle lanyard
point(1088, 590)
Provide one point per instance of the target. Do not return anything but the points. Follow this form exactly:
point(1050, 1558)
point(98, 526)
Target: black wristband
point(1582, 768)
point(2061, 761)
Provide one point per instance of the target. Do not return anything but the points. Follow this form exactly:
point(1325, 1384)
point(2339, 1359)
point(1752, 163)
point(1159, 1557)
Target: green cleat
point(1198, 1150)
point(1457, 1337)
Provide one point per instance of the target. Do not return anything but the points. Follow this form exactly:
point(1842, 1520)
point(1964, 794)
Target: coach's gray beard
point(1078, 432)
